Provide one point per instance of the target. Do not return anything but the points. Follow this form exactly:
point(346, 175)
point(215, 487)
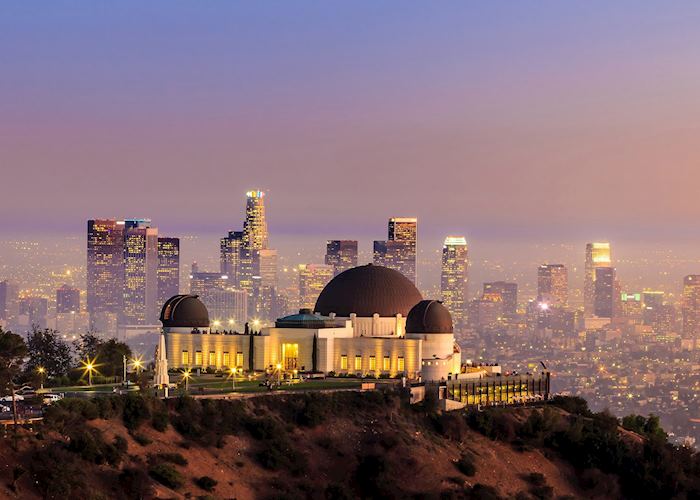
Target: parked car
point(25, 389)
point(52, 398)
point(5, 409)
point(18, 397)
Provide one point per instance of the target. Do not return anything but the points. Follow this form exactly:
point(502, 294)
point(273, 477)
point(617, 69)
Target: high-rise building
point(691, 306)
point(105, 266)
point(9, 301)
point(597, 255)
point(140, 272)
point(508, 293)
point(230, 259)
point(34, 310)
point(604, 301)
point(454, 278)
point(312, 279)
point(552, 285)
point(399, 250)
point(67, 300)
point(228, 309)
point(168, 269)
point(341, 254)
point(254, 238)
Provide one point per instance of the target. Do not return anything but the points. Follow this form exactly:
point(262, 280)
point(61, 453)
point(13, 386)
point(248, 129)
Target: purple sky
point(542, 119)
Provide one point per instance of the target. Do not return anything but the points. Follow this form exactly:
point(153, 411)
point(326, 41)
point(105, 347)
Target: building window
point(372, 363)
point(358, 363)
point(344, 362)
point(227, 360)
point(212, 358)
point(386, 364)
point(185, 358)
point(198, 358)
point(239, 359)
point(401, 365)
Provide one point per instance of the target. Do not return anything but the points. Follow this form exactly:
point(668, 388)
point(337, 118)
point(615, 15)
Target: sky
point(536, 120)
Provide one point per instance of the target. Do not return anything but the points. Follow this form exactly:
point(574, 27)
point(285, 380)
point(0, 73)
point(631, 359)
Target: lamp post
point(89, 367)
point(279, 373)
point(41, 371)
point(186, 375)
point(233, 378)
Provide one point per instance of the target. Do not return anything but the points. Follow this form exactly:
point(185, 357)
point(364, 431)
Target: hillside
point(340, 445)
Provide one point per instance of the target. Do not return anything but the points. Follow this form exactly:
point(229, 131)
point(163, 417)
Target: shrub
point(206, 483)
point(465, 464)
point(160, 420)
point(572, 404)
point(167, 475)
point(57, 482)
point(175, 458)
point(135, 411)
point(142, 439)
point(135, 483)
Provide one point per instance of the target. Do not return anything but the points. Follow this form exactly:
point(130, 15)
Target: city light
point(89, 367)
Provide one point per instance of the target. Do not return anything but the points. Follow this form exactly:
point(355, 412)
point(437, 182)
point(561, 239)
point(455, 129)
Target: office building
point(504, 292)
point(140, 272)
point(105, 266)
point(552, 285)
point(454, 278)
point(399, 250)
point(9, 302)
point(67, 300)
point(690, 310)
point(168, 269)
point(312, 279)
point(597, 255)
point(230, 255)
point(341, 254)
point(604, 292)
point(33, 311)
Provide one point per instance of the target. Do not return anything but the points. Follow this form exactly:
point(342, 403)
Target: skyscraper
point(341, 254)
point(312, 279)
point(140, 272)
point(552, 285)
point(34, 310)
point(230, 258)
point(9, 301)
point(454, 278)
point(508, 293)
point(105, 266)
point(691, 306)
point(604, 301)
point(399, 250)
point(67, 300)
point(597, 255)
point(168, 269)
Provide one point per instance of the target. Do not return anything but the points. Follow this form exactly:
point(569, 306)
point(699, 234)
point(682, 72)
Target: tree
point(87, 346)
point(47, 350)
point(13, 350)
point(110, 357)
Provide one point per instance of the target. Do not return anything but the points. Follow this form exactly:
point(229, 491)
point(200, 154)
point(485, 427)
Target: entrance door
point(290, 356)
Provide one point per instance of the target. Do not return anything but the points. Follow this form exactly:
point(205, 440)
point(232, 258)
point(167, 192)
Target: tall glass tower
point(597, 255)
point(454, 278)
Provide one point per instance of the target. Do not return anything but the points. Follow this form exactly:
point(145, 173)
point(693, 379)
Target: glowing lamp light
point(543, 306)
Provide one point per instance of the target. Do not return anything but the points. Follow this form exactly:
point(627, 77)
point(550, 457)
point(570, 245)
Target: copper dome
point(184, 311)
point(366, 290)
point(429, 316)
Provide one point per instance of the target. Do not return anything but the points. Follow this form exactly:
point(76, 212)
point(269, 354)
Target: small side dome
point(184, 311)
point(429, 316)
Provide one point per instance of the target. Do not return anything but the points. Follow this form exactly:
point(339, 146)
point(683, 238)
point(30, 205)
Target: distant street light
point(41, 371)
point(186, 375)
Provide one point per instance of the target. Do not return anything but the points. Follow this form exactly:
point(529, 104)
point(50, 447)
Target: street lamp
point(186, 375)
point(279, 372)
point(233, 378)
point(138, 364)
point(41, 371)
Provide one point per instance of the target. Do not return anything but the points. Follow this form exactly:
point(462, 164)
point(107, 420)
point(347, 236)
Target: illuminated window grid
point(344, 362)
point(185, 358)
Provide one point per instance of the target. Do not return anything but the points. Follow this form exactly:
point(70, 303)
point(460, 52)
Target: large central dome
point(366, 290)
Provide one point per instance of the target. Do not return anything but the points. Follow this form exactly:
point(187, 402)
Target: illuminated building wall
point(67, 300)
point(105, 266)
point(230, 255)
point(691, 306)
point(597, 255)
point(168, 270)
point(604, 292)
point(508, 293)
point(312, 279)
point(9, 301)
point(399, 250)
point(140, 273)
point(553, 285)
point(341, 254)
point(454, 278)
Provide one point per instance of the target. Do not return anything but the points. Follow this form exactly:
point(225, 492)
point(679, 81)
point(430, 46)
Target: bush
point(91, 447)
point(135, 483)
point(572, 404)
point(160, 420)
point(142, 439)
point(175, 458)
point(167, 475)
point(135, 411)
point(465, 464)
point(206, 483)
point(53, 481)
